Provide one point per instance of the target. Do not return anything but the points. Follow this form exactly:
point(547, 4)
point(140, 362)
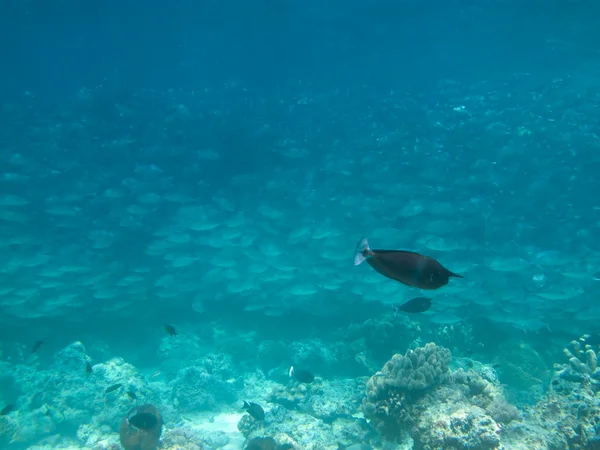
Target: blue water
point(212, 164)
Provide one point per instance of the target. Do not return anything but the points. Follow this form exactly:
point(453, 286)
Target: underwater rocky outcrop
point(69, 399)
point(417, 397)
point(141, 428)
point(318, 415)
point(569, 415)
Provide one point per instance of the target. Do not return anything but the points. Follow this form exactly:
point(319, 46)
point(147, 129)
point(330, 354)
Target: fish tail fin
point(363, 252)
point(246, 405)
point(455, 275)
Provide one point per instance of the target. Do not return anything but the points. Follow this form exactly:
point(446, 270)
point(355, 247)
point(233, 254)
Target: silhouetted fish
point(262, 443)
point(113, 388)
point(8, 408)
point(38, 344)
point(255, 410)
point(88, 368)
point(355, 447)
point(131, 395)
point(170, 329)
point(416, 305)
point(143, 421)
point(303, 376)
point(412, 269)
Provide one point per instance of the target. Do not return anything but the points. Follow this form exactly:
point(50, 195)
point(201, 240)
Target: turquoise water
point(211, 166)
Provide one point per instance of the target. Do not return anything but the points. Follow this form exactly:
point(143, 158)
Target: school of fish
point(113, 205)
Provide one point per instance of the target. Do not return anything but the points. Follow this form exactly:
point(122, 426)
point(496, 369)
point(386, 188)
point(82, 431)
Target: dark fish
point(8, 408)
point(409, 268)
point(355, 447)
point(113, 388)
point(170, 329)
point(143, 421)
point(255, 410)
point(88, 368)
point(38, 344)
point(416, 305)
point(262, 443)
point(303, 376)
point(131, 395)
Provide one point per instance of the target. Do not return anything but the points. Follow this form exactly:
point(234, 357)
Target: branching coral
point(582, 366)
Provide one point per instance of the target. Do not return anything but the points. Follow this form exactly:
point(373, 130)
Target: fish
point(255, 410)
point(409, 268)
point(155, 374)
point(88, 368)
point(355, 447)
point(416, 305)
point(303, 376)
point(262, 443)
point(38, 344)
point(170, 329)
point(113, 388)
point(8, 408)
point(143, 421)
point(131, 395)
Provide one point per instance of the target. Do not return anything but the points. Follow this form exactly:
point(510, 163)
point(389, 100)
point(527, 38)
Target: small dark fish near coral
point(170, 329)
point(113, 388)
point(416, 305)
point(38, 344)
point(355, 447)
point(88, 368)
point(131, 395)
point(303, 376)
point(409, 268)
point(266, 443)
point(142, 420)
point(141, 428)
point(255, 410)
point(7, 409)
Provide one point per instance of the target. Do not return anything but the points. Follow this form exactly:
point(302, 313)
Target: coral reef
point(195, 389)
point(416, 370)
point(455, 426)
point(417, 397)
point(422, 399)
point(319, 415)
point(569, 416)
point(141, 437)
point(304, 431)
point(582, 366)
point(523, 369)
point(294, 394)
point(67, 400)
